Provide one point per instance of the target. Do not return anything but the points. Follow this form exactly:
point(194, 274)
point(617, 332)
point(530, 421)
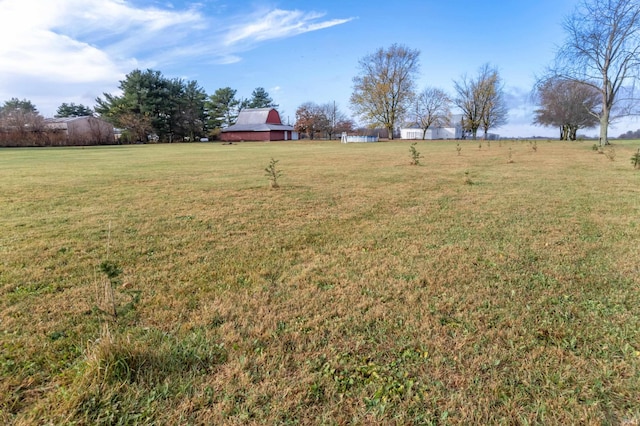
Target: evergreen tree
point(14, 104)
point(259, 99)
point(223, 108)
point(152, 104)
point(73, 110)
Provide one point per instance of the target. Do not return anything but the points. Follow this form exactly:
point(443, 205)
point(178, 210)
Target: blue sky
point(299, 51)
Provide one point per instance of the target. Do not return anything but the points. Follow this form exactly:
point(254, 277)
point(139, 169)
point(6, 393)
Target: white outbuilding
point(453, 131)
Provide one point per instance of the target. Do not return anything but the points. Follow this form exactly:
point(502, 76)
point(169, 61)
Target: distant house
point(85, 130)
point(453, 131)
point(258, 124)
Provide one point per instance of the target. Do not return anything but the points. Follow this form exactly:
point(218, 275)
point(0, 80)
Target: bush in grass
point(415, 154)
point(635, 160)
point(273, 173)
point(105, 293)
point(467, 178)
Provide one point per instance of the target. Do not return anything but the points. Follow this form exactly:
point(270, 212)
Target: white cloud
point(80, 48)
point(276, 24)
point(61, 47)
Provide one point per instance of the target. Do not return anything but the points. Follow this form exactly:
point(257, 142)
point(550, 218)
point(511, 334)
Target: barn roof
point(256, 116)
point(67, 119)
point(258, 120)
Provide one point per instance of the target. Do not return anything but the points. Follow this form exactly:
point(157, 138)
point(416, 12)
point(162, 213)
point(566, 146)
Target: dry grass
point(364, 290)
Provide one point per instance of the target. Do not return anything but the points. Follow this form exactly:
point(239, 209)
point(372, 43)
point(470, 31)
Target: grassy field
point(168, 284)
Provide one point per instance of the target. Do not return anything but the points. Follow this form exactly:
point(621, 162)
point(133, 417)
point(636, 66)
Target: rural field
point(169, 284)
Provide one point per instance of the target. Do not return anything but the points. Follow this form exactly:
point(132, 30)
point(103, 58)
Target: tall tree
point(566, 104)
point(383, 90)
point(335, 118)
point(172, 108)
point(481, 101)
point(259, 99)
point(466, 101)
point(223, 108)
point(345, 125)
point(20, 116)
point(73, 110)
point(602, 49)
point(139, 109)
point(14, 104)
point(432, 108)
point(311, 119)
point(494, 106)
point(193, 117)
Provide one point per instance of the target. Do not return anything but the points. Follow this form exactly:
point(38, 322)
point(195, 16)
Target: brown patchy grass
point(363, 290)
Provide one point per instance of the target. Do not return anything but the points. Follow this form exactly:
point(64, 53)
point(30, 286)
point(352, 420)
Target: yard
point(169, 284)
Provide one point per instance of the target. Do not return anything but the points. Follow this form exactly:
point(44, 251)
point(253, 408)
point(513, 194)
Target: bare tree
point(138, 126)
point(567, 104)
point(383, 91)
point(334, 118)
point(494, 106)
point(603, 50)
point(469, 105)
point(344, 125)
point(21, 123)
point(481, 101)
point(432, 108)
point(100, 132)
point(311, 119)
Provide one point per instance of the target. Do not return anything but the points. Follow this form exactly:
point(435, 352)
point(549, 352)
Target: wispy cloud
point(75, 42)
point(278, 23)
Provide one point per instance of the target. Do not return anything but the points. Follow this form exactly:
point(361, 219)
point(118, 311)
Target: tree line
point(589, 84)
point(151, 107)
point(322, 121)
point(385, 93)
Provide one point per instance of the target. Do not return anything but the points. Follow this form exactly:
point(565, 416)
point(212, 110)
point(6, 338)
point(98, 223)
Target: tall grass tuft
point(113, 359)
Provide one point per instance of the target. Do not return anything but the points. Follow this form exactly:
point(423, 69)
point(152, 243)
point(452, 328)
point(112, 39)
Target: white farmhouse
point(454, 131)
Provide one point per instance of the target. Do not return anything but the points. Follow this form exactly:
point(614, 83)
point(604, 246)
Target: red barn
point(258, 124)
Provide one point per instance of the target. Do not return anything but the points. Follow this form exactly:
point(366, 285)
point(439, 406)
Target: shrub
point(415, 154)
point(467, 178)
point(635, 160)
point(272, 173)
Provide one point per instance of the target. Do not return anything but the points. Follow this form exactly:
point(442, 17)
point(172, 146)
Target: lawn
point(169, 284)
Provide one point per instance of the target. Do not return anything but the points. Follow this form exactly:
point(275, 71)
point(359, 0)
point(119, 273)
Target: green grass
point(498, 286)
